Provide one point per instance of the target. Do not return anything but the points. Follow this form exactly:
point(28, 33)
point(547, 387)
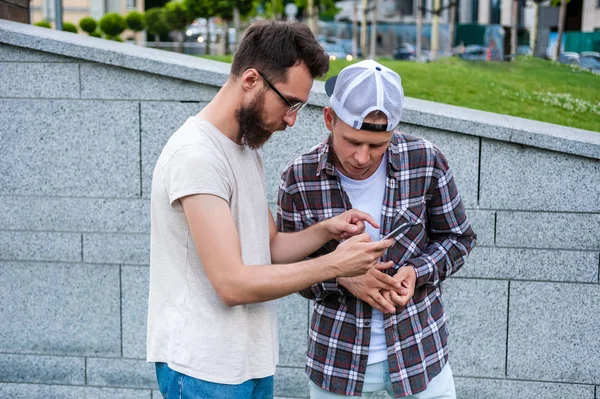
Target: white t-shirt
point(188, 326)
point(367, 196)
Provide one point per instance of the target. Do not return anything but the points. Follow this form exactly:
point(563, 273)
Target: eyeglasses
point(293, 107)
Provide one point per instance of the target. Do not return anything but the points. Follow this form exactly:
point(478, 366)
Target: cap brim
point(330, 85)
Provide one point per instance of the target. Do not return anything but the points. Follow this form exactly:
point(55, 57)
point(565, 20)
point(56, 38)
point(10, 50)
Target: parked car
point(474, 52)
point(590, 60)
point(406, 51)
point(591, 54)
point(569, 57)
point(336, 52)
point(347, 45)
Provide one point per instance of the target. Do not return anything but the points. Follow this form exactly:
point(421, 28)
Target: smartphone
point(403, 228)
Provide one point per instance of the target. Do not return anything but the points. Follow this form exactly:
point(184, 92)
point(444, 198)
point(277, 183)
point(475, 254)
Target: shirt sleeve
point(195, 169)
point(289, 219)
point(451, 235)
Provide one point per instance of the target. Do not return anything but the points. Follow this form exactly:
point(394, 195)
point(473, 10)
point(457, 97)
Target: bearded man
point(216, 256)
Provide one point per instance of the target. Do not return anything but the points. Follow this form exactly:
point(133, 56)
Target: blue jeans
point(174, 385)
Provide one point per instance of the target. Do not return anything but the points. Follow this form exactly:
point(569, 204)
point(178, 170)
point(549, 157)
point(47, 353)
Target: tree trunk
point(435, 29)
point(207, 38)
point(451, 25)
point(561, 28)
point(225, 37)
point(355, 33)
point(419, 28)
point(373, 46)
point(533, 40)
point(514, 28)
point(236, 25)
point(363, 27)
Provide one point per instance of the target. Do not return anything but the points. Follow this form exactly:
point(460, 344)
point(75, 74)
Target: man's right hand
point(358, 255)
point(369, 286)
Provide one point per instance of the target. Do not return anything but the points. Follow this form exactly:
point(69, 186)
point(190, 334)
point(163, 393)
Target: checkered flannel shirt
point(419, 186)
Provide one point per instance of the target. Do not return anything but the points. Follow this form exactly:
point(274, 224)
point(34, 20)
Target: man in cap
point(365, 337)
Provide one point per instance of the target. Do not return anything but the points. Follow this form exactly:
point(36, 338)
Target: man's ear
point(329, 118)
point(250, 79)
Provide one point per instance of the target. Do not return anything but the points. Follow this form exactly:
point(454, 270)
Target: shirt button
point(367, 323)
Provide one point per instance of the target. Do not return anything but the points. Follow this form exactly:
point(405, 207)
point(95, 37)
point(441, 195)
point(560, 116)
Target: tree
point(88, 24)
point(135, 21)
point(156, 23)
point(202, 9)
point(226, 9)
point(113, 24)
point(323, 8)
point(178, 17)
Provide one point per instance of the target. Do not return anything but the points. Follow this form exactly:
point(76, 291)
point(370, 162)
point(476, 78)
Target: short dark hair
point(272, 47)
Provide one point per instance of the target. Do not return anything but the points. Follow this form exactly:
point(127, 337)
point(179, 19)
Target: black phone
point(403, 228)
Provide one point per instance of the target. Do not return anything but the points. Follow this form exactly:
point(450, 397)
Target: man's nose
point(290, 119)
point(362, 154)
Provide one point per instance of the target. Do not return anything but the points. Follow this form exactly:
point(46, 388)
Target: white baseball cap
point(365, 87)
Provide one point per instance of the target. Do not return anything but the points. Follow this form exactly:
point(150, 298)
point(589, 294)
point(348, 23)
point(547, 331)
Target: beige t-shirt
point(188, 326)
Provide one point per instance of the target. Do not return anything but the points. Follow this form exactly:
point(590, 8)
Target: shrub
point(177, 15)
point(88, 24)
point(156, 22)
point(96, 34)
point(69, 27)
point(43, 24)
point(112, 24)
point(135, 21)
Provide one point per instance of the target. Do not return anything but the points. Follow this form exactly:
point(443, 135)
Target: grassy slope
point(529, 87)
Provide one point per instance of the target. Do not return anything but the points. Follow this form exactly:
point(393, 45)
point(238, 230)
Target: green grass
point(529, 87)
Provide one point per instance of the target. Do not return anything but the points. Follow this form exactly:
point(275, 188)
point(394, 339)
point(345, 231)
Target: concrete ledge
point(418, 112)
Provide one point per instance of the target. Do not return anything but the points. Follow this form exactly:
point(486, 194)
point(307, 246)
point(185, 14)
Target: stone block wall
point(82, 122)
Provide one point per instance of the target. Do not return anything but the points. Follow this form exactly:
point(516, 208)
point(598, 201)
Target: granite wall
point(82, 121)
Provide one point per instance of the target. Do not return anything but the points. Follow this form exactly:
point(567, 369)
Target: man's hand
point(407, 277)
point(357, 255)
point(348, 224)
point(369, 286)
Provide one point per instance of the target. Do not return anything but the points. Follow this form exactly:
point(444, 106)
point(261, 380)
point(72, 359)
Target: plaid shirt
point(419, 186)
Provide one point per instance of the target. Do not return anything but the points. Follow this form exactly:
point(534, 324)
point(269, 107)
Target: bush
point(69, 27)
point(177, 15)
point(96, 34)
point(115, 38)
point(135, 21)
point(112, 24)
point(156, 22)
point(43, 24)
point(88, 24)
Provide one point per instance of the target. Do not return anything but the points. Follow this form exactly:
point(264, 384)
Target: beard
point(254, 130)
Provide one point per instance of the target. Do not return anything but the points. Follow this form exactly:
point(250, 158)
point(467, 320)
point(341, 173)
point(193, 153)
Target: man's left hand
point(408, 278)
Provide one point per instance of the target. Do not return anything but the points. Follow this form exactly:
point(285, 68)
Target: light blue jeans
point(377, 379)
point(174, 385)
